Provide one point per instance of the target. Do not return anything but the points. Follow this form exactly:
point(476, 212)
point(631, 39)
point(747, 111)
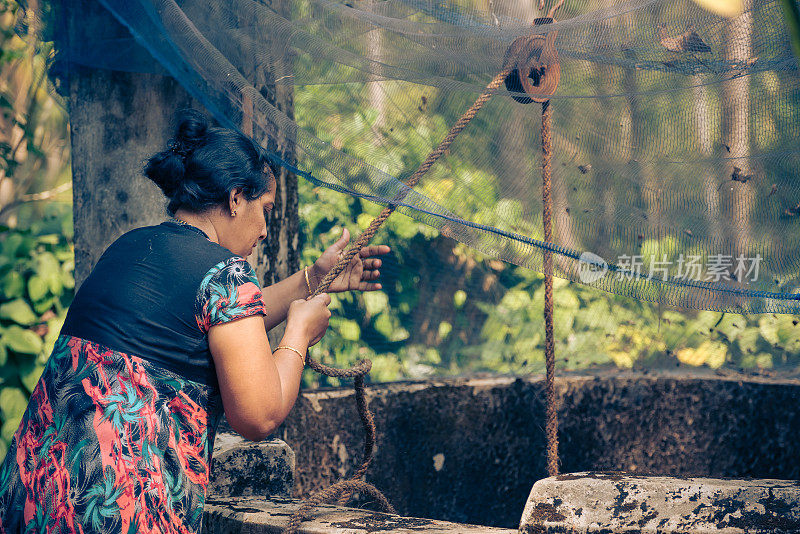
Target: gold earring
point(233, 213)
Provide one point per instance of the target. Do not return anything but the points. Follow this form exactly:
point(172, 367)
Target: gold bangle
point(287, 347)
point(308, 283)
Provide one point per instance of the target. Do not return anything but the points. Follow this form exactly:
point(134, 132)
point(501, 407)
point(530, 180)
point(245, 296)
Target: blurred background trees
point(445, 309)
point(36, 259)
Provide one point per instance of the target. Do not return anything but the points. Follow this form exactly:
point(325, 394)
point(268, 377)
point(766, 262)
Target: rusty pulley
point(536, 71)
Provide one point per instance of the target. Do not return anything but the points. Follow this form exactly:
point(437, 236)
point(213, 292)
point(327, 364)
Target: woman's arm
point(259, 386)
point(359, 275)
point(280, 295)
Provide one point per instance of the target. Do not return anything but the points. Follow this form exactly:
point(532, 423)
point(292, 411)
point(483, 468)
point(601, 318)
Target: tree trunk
point(705, 140)
point(736, 129)
point(118, 120)
point(278, 256)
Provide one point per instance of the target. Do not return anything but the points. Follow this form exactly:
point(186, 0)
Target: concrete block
point(593, 502)
point(242, 467)
point(251, 515)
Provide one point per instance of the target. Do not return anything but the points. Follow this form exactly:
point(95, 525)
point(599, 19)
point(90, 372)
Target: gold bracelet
point(287, 347)
point(308, 283)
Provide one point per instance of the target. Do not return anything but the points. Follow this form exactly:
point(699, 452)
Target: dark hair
point(203, 164)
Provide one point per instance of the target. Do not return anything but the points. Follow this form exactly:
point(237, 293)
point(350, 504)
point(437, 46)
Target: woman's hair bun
point(168, 167)
point(192, 129)
point(203, 164)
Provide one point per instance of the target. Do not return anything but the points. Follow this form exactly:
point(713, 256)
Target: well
point(469, 449)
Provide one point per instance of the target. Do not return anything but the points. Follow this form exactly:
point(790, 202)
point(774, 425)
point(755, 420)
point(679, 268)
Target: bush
point(36, 265)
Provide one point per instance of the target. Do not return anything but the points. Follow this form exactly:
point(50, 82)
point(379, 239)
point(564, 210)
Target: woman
point(168, 330)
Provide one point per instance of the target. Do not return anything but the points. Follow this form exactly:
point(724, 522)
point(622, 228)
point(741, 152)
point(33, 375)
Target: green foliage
point(490, 318)
point(505, 334)
point(445, 309)
point(36, 266)
point(34, 147)
point(595, 328)
point(36, 259)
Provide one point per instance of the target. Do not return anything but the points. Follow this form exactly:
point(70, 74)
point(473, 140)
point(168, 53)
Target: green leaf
point(44, 305)
point(444, 329)
point(383, 324)
point(763, 360)
point(67, 280)
point(53, 331)
point(5, 266)
point(13, 285)
point(37, 288)
point(12, 244)
point(565, 299)
point(748, 340)
point(768, 327)
point(10, 427)
point(21, 340)
point(48, 268)
point(18, 311)
point(376, 302)
point(349, 330)
point(562, 322)
point(731, 326)
point(66, 256)
point(48, 239)
point(788, 333)
point(13, 402)
point(30, 377)
point(3, 355)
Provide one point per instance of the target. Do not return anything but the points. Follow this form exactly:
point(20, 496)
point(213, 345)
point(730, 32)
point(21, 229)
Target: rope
point(332, 492)
point(343, 490)
point(551, 428)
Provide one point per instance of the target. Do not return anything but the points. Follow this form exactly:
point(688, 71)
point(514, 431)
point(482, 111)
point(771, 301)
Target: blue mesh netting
point(674, 131)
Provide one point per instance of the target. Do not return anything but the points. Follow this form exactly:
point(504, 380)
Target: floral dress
point(118, 433)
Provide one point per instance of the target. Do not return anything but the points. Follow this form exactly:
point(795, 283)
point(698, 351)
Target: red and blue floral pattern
point(111, 442)
point(228, 291)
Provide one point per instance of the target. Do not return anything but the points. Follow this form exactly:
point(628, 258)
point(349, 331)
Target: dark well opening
point(468, 450)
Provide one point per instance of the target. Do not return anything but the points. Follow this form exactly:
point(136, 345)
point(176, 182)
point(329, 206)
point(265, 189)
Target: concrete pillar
point(119, 119)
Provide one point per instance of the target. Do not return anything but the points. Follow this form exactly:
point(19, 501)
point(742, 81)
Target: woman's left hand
point(359, 274)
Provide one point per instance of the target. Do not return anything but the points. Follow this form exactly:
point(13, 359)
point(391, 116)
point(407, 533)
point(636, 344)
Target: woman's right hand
point(309, 317)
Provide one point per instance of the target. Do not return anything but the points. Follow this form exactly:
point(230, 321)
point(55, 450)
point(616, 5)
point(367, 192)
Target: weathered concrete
point(618, 502)
point(469, 450)
point(240, 515)
point(246, 468)
point(119, 119)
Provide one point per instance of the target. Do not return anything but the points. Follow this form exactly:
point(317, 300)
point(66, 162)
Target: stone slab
point(593, 502)
point(250, 515)
point(241, 467)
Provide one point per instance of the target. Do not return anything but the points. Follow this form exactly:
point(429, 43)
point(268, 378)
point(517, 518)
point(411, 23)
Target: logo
point(591, 267)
